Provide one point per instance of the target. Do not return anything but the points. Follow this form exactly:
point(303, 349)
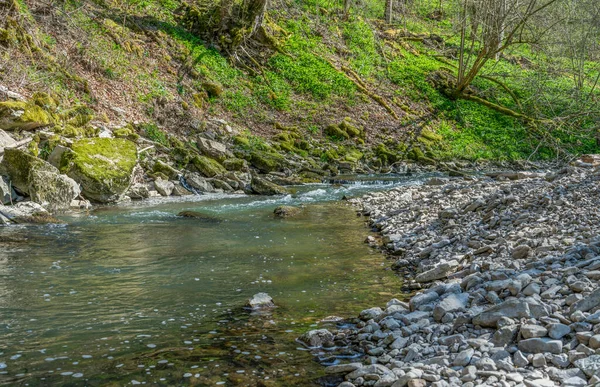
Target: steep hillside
point(127, 61)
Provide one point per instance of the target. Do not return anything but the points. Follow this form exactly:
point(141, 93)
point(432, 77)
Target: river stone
point(316, 338)
point(264, 187)
point(463, 358)
point(452, 303)
point(521, 252)
point(505, 335)
point(422, 299)
point(511, 308)
point(7, 194)
point(38, 179)
point(574, 381)
point(260, 301)
point(164, 187)
point(199, 216)
point(373, 369)
point(6, 141)
point(25, 212)
point(208, 167)
point(103, 167)
point(589, 365)
point(139, 191)
point(286, 211)
point(540, 345)
point(57, 154)
point(213, 149)
point(343, 368)
point(198, 182)
point(165, 169)
point(557, 330)
point(530, 331)
point(440, 271)
point(180, 190)
point(369, 314)
point(588, 303)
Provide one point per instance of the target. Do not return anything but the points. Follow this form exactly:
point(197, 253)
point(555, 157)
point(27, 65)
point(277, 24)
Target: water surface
point(134, 294)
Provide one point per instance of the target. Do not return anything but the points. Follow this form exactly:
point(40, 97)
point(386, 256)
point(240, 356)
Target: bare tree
point(488, 27)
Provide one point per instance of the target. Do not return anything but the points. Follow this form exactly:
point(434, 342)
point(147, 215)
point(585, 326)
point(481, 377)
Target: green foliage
point(359, 38)
point(152, 132)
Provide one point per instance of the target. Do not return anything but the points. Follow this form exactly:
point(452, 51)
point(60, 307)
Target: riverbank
point(101, 163)
point(506, 278)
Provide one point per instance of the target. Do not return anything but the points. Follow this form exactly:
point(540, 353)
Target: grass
point(300, 84)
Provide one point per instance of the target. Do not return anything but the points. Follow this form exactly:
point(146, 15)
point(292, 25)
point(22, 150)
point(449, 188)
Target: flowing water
point(134, 294)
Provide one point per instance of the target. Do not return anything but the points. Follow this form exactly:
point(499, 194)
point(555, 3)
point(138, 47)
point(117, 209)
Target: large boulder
point(198, 182)
point(208, 167)
point(103, 167)
point(267, 161)
point(264, 187)
point(25, 212)
point(38, 179)
point(512, 308)
point(214, 149)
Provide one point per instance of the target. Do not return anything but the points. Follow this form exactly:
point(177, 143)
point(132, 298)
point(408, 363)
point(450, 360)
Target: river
point(134, 294)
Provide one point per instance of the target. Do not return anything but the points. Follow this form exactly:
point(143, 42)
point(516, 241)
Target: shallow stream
point(134, 294)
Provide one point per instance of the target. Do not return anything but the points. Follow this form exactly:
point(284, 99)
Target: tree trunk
point(389, 11)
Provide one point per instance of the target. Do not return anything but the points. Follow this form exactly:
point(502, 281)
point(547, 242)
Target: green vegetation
point(339, 78)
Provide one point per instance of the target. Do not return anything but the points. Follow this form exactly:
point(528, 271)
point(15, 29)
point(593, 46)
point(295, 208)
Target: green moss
point(241, 141)
point(17, 115)
point(77, 116)
point(350, 129)
point(208, 167)
point(103, 166)
point(353, 156)
point(266, 161)
point(385, 155)
point(213, 89)
point(33, 148)
point(234, 164)
point(92, 154)
point(336, 132)
point(168, 171)
point(126, 132)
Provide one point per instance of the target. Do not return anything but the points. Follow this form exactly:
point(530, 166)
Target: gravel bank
point(506, 272)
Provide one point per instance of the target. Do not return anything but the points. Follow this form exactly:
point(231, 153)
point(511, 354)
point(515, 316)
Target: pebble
point(507, 280)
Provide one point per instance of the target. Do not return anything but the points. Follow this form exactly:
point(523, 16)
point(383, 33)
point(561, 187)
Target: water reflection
point(138, 294)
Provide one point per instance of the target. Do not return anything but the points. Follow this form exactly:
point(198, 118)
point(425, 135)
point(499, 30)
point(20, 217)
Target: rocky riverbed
point(506, 272)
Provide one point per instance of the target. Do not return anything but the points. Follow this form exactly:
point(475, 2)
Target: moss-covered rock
point(234, 164)
point(266, 161)
point(103, 167)
point(126, 132)
point(208, 167)
point(286, 211)
point(165, 169)
point(213, 89)
point(18, 115)
point(262, 186)
point(38, 179)
point(386, 155)
point(336, 132)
